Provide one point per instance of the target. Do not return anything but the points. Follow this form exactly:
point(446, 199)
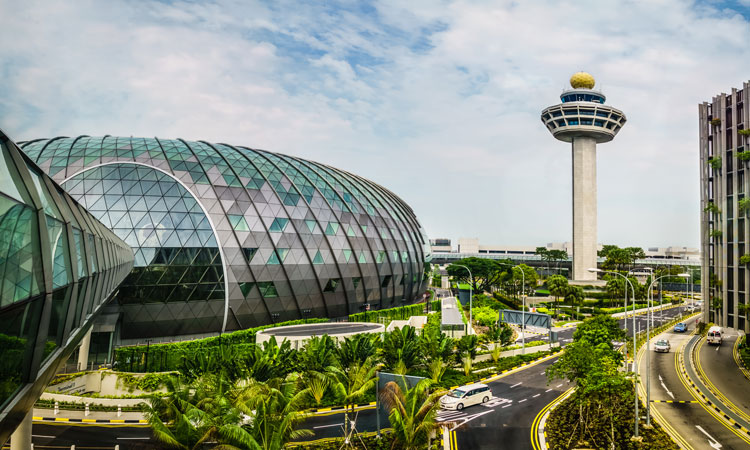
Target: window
point(238, 222)
point(386, 281)
point(278, 225)
point(318, 258)
point(249, 253)
point(332, 228)
point(267, 289)
point(332, 284)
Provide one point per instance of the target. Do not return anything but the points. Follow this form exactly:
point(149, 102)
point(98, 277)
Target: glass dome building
point(228, 237)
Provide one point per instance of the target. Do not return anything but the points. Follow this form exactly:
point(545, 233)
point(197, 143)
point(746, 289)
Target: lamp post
point(648, 344)
point(635, 360)
point(471, 285)
point(523, 307)
point(593, 269)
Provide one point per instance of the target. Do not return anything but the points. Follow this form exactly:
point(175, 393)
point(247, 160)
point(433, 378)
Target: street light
point(471, 285)
point(595, 270)
point(635, 359)
point(648, 342)
point(523, 308)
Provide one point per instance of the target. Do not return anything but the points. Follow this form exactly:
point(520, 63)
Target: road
point(719, 372)
point(92, 437)
point(698, 428)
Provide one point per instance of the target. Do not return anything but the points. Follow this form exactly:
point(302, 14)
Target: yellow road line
point(537, 420)
point(683, 378)
point(711, 387)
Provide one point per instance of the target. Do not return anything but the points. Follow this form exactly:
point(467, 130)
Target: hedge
point(398, 313)
point(166, 357)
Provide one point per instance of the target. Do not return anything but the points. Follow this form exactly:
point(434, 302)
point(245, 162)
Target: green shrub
point(398, 313)
point(485, 316)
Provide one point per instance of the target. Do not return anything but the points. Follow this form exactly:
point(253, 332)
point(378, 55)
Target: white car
point(461, 397)
point(662, 345)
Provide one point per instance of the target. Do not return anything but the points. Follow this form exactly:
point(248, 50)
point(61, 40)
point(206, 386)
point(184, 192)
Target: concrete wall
point(584, 208)
point(102, 382)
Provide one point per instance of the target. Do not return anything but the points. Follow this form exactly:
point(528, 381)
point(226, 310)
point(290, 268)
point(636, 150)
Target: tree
point(273, 409)
point(616, 258)
point(467, 346)
point(318, 353)
point(486, 273)
point(558, 287)
point(412, 414)
point(529, 276)
point(401, 349)
point(193, 415)
point(357, 349)
point(574, 295)
point(352, 383)
point(435, 346)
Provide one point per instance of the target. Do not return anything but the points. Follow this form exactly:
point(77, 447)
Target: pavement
point(674, 403)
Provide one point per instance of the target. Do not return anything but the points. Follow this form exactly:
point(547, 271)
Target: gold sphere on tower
point(582, 80)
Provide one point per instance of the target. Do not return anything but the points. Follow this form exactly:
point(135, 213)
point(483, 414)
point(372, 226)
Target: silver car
point(662, 345)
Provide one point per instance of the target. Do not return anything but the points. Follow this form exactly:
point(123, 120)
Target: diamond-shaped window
point(332, 228)
point(318, 259)
point(238, 222)
point(268, 289)
point(332, 284)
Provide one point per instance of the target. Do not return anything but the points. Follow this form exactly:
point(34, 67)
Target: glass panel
point(20, 268)
point(18, 325)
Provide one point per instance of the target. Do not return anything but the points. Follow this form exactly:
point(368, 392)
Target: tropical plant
point(485, 273)
point(272, 412)
point(745, 259)
point(558, 287)
point(316, 385)
point(318, 353)
point(715, 121)
point(357, 349)
point(715, 234)
point(712, 208)
point(193, 415)
point(467, 346)
point(435, 345)
point(351, 383)
point(715, 162)
point(401, 349)
point(436, 369)
point(412, 413)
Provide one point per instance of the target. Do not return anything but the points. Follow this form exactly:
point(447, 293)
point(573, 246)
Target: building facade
point(228, 237)
point(724, 152)
point(58, 268)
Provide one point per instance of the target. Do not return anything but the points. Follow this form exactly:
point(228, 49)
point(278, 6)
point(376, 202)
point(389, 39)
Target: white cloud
point(438, 101)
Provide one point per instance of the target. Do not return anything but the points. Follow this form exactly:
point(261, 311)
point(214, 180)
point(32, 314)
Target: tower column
point(83, 351)
point(584, 208)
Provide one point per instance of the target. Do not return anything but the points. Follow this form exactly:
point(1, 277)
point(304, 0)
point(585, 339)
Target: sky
point(438, 101)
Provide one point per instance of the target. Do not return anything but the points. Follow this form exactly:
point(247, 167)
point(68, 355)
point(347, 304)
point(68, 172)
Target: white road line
point(134, 438)
point(42, 436)
point(523, 400)
point(535, 396)
point(328, 426)
point(560, 385)
point(509, 404)
point(665, 387)
point(551, 389)
point(542, 373)
point(518, 384)
point(711, 441)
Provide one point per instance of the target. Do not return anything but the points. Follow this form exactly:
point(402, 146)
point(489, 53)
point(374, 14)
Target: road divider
point(538, 435)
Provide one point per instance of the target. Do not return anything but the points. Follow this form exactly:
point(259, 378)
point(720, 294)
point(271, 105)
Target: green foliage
point(715, 162)
point(412, 413)
point(715, 234)
point(486, 273)
point(712, 208)
point(149, 382)
point(745, 259)
point(401, 350)
point(617, 258)
point(744, 132)
point(743, 156)
point(485, 316)
point(715, 121)
point(745, 352)
point(65, 377)
point(169, 357)
point(398, 313)
point(357, 349)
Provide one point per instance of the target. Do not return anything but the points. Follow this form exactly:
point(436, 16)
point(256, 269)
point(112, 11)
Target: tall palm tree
point(412, 413)
point(352, 383)
point(401, 349)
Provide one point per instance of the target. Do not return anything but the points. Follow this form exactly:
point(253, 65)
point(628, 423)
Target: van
point(461, 397)
point(714, 335)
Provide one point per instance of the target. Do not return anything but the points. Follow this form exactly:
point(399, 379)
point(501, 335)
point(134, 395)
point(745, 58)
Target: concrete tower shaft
point(583, 120)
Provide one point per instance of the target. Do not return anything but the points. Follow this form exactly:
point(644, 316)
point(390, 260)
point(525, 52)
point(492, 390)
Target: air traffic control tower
point(583, 120)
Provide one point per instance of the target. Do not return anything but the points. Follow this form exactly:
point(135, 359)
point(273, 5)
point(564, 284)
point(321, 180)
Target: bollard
point(72, 447)
point(57, 408)
point(86, 412)
point(119, 410)
point(117, 447)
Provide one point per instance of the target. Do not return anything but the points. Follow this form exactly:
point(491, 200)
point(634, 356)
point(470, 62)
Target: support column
point(21, 438)
point(584, 208)
point(83, 351)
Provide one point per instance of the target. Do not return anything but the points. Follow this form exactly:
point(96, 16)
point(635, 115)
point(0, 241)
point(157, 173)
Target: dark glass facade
point(58, 266)
point(228, 237)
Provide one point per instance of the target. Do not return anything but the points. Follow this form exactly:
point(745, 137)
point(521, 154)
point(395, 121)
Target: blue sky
point(439, 101)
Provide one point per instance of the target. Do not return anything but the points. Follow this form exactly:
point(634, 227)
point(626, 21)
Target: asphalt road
point(721, 371)
point(91, 437)
point(690, 420)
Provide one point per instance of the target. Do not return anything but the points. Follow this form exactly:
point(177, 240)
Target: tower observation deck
point(583, 120)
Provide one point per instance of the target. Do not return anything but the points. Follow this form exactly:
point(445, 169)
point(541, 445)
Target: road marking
point(523, 400)
point(42, 436)
point(661, 380)
point(518, 384)
point(134, 438)
point(334, 425)
point(560, 385)
point(542, 373)
point(535, 396)
point(717, 349)
point(547, 390)
point(509, 404)
point(711, 441)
